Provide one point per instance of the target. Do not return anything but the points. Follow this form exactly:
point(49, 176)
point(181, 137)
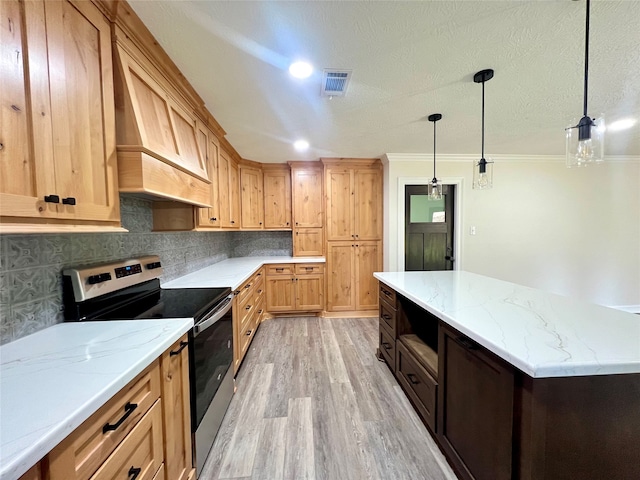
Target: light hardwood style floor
point(313, 402)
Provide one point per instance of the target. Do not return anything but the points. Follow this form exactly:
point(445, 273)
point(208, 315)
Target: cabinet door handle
point(386, 316)
point(232, 221)
point(213, 219)
point(248, 285)
point(177, 352)
point(248, 307)
point(128, 410)
point(249, 333)
point(52, 199)
point(260, 223)
point(412, 379)
point(133, 473)
point(69, 201)
point(387, 346)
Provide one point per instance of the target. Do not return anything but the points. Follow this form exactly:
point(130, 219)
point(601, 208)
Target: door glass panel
point(424, 210)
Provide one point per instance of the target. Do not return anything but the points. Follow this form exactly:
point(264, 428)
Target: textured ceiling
point(409, 59)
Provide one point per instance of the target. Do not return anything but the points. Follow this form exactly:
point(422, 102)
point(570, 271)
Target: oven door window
point(212, 356)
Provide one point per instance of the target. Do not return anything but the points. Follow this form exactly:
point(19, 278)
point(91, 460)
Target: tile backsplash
point(31, 265)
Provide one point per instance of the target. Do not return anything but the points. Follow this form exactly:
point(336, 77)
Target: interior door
point(428, 229)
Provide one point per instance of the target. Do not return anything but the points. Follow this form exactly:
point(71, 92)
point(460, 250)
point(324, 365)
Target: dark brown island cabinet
point(494, 422)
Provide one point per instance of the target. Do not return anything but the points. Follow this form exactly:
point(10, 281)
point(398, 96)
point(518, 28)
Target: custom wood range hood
point(156, 125)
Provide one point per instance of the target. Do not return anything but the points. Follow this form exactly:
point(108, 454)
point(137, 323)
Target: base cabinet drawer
point(81, 453)
point(418, 384)
point(140, 455)
point(387, 347)
point(388, 317)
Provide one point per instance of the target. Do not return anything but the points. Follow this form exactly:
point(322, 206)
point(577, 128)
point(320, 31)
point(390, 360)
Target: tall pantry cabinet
point(308, 217)
point(354, 233)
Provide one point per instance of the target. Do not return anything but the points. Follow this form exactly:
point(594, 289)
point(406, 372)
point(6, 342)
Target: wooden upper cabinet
point(234, 194)
point(251, 197)
point(224, 166)
point(209, 148)
point(354, 201)
point(229, 191)
point(307, 196)
point(367, 203)
point(277, 197)
point(339, 185)
point(57, 111)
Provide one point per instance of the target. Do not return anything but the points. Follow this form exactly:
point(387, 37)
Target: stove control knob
point(101, 277)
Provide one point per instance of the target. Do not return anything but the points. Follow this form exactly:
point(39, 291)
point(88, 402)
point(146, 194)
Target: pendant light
point(483, 169)
point(585, 141)
point(435, 189)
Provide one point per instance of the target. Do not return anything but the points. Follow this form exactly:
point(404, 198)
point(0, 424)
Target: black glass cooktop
point(169, 303)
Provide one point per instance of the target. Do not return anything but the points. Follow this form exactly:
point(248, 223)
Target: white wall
point(574, 232)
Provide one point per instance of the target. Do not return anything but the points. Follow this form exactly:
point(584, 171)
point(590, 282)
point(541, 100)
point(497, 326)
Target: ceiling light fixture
point(587, 146)
point(483, 169)
point(435, 190)
point(300, 69)
point(301, 145)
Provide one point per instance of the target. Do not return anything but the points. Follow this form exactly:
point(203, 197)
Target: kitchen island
point(514, 382)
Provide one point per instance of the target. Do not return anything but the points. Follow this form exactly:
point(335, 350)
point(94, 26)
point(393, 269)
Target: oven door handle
point(213, 317)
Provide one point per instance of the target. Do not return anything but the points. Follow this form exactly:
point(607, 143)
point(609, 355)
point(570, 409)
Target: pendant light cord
point(586, 59)
point(483, 82)
point(434, 150)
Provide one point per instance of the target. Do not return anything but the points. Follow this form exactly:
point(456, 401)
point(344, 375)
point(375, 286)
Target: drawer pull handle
point(69, 201)
point(386, 316)
point(386, 292)
point(279, 269)
point(412, 379)
point(128, 410)
point(259, 291)
point(249, 333)
point(177, 352)
point(52, 199)
point(387, 346)
point(248, 307)
point(133, 473)
point(308, 269)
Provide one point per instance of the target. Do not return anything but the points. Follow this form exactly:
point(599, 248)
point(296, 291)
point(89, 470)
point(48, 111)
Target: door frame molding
point(457, 208)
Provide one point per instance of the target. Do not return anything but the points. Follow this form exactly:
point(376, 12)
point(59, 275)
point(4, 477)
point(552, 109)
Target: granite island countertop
point(540, 333)
point(53, 380)
point(232, 272)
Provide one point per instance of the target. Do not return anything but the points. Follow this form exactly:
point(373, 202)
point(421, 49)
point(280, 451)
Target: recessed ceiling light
point(300, 69)
point(622, 124)
point(301, 145)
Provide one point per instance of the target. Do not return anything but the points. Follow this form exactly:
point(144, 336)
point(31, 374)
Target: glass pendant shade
point(435, 190)
point(585, 142)
point(483, 174)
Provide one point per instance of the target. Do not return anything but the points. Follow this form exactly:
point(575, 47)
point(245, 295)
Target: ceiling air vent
point(335, 82)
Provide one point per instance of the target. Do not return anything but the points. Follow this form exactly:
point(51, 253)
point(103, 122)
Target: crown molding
point(498, 158)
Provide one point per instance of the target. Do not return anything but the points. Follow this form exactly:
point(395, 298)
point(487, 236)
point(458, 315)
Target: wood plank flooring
point(313, 402)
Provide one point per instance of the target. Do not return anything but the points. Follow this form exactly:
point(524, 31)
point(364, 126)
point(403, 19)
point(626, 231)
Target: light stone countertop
point(53, 380)
point(542, 334)
point(232, 272)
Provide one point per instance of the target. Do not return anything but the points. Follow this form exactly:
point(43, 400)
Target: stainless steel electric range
point(130, 289)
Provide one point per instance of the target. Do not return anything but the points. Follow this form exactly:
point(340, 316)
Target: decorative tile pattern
point(31, 265)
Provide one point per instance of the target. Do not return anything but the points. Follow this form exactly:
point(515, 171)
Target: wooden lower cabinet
point(176, 411)
point(34, 473)
point(475, 424)
point(295, 288)
point(146, 426)
point(248, 313)
point(351, 285)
